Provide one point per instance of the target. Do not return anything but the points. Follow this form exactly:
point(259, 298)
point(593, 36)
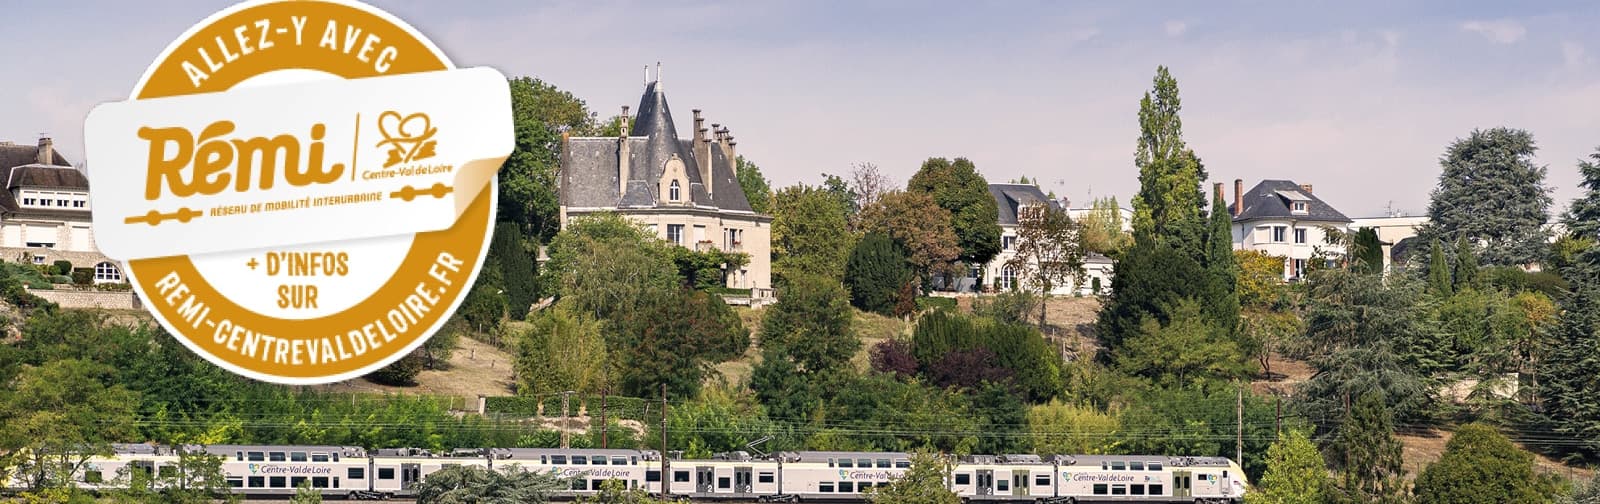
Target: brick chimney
point(1306, 188)
point(1220, 196)
point(702, 152)
point(623, 170)
point(47, 152)
point(1238, 196)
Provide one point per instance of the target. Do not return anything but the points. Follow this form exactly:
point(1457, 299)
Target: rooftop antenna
point(658, 76)
point(647, 74)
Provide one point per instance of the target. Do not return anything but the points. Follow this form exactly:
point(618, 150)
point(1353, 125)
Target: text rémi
point(186, 165)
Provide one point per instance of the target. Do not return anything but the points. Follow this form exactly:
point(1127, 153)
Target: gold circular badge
point(321, 312)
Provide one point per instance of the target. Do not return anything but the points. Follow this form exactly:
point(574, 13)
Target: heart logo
point(394, 127)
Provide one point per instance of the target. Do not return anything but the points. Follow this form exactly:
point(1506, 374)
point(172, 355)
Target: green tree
point(562, 349)
point(1466, 267)
point(1583, 493)
point(540, 113)
point(959, 189)
point(1048, 252)
point(919, 225)
point(1480, 465)
point(1439, 278)
point(304, 494)
point(755, 185)
point(1296, 473)
point(809, 233)
point(652, 339)
point(1366, 251)
point(1260, 283)
point(518, 275)
point(1492, 193)
point(923, 483)
point(1583, 214)
point(1570, 372)
point(1169, 204)
point(56, 416)
point(1102, 228)
point(402, 371)
point(841, 191)
point(1367, 456)
point(607, 265)
point(615, 491)
point(1186, 348)
point(1149, 281)
point(810, 324)
point(876, 270)
point(1223, 304)
point(468, 484)
point(1059, 427)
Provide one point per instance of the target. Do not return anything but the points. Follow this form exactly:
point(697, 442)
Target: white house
point(1286, 220)
point(44, 211)
point(1010, 200)
point(1393, 232)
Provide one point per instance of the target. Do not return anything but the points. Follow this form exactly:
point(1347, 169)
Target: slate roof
point(1008, 198)
point(590, 165)
point(1270, 200)
point(19, 167)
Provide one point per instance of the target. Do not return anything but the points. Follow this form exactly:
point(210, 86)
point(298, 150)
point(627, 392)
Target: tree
point(1366, 454)
point(468, 484)
point(518, 277)
point(607, 264)
point(809, 233)
point(1366, 251)
point(1480, 465)
point(893, 356)
point(652, 339)
point(810, 324)
point(1049, 251)
point(1296, 473)
point(540, 113)
point(1102, 228)
point(1059, 427)
point(1439, 278)
point(1223, 304)
point(919, 225)
point(958, 188)
point(1260, 282)
point(876, 270)
point(304, 494)
point(1584, 493)
point(1492, 194)
point(1583, 214)
point(615, 491)
point(1169, 203)
point(58, 415)
point(922, 483)
point(562, 349)
point(401, 372)
point(1149, 281)
point(1570, 372)
point(1466, 268)
point(1184, 349)
point(842, 192)
point(755, 186)
point(868, 184)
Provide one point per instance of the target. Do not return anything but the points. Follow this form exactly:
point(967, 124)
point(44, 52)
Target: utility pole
point(565, 436)
point(1239, 413)
point(1279, 398)
point(603, 393)
point(666, 477)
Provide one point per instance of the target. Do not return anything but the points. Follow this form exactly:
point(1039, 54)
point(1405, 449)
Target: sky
point(1359, 99)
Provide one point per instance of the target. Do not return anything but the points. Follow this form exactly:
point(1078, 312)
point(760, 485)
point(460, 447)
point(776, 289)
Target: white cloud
point(1176, 28)
point(1501, 31)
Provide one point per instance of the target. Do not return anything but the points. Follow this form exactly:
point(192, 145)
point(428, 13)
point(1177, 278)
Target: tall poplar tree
point(1439, 272)
point(1169, 204)
point(1224, 298)
point(1491, 193)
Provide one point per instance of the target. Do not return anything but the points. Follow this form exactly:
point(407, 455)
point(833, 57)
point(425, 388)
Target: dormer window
point(672, 191)
point(1298, 207)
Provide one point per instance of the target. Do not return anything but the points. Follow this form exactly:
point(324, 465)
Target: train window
point(256, 456)
point(277, 482)
point(336, 482)
point(883, 463)
point(558, 459)
point(902, 463)
point(385, 473)
point(580, 460)
point(1155, 489)
point(235, 482)
point(1041, 480)
point(1136, 466)
point(167, 471)
point(863, 463)
point(296, 481)
point(356, 473)
point(619, 460)
point(258, 481)
point(724, 482)
point(238, 455)
point(335, 457)
point(825, 487)
point(319, 457)
point(633, 460)
point(1224, 474)
point(1119, 490)
point(1003, 485)
point(844, 487)
point(598, 460)
point(765, 477)
point(830, 462)
point(544, 459)
point(964, 479)
point(93, 477)
point(1103, 466)
point(680, 476)
point(652, 475)
point(1100, 489)
point(595, 484)
point(1135, 489)
point(297, 456)
point(579, 484)
point(846, 463)
point(275, 457)
point(1118, 466)
point(1154, 466)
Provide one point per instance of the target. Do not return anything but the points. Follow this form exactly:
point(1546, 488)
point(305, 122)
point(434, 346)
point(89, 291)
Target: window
point(594, 484)
point(238, 456)
point(78, 204)
point(724, 482)
point(680, 476)
point(882, 463)
point(1299, 235)
point(336, 482)
point(765, 477)
point(847, 463)
point(356, 473)
point(844, 487)
point(578, 484)
point(1299, 268)
point(864, 463)
point(1008, 278)
point(1277, 233)
point(672, 191)
point(558, 459)
point(597, 460)
point(1100, 489)
point(1136, 466)
point(1003, 485)
point(256, 456)
point(1299, 207)
point(297, 456)
point(258, 481)
point(61, 202)
point(275, 457)
point(619, 460)
point(1119, 490)
point(1155, 489)
point(30, 201)
point(964, 479)
point(40, 259)
point(319, 457)
point(652, 476)
point(675, 233)
point(580, 460)
point(235, 482)
point(278, 482)
point(335, 457)
point(830, 462)
point(93, 477)
point(1135, 489)
point(902, 464)
point(296, 481)
point(1041, 480)
point(386, 473)
point(1006, 242)
point(1118, 466)
point(972, 272)
point(825, 487)
point(1154, 466)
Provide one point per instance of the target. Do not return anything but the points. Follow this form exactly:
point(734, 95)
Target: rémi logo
point(187, 165)
point(408, 138)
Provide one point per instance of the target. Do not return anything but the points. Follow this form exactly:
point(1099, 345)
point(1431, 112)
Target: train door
point(1227, 485)
point(1180, 484)
point(742, 480)
point(985, 482)
point(1019, 483)
point(703, 479)
point(410, 476)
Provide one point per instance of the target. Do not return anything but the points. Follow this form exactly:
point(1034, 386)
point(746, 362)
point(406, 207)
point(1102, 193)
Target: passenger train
point(356, 473)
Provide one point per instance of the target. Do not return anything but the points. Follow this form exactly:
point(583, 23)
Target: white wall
point(1258, 235)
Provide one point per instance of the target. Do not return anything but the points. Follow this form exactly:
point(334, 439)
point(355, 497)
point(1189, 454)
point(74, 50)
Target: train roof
point(504, 453)
point(1169, 461)
point(824, 456)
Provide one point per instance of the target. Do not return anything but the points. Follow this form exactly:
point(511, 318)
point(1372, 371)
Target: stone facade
point(75, 298)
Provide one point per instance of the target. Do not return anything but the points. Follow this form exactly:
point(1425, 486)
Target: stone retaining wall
point(90, 299)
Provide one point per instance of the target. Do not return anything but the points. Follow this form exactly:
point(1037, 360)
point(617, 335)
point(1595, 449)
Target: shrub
point(400, 372)
point(60, 279)
point(83, 277)
point(63, 267)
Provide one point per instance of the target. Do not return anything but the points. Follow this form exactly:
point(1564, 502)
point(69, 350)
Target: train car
point(1132, 478)
point(396, 472)
point(1003, 478)
point(588, 469)
point(260, 470)
point(830, 476)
